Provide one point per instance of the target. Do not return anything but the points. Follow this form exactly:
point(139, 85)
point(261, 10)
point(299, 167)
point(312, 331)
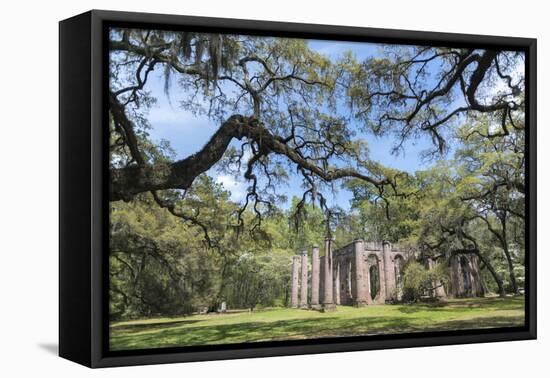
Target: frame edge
point(75, 336)
point(98, 17)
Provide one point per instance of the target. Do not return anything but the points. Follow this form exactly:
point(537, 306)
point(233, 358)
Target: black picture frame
point(83, 181)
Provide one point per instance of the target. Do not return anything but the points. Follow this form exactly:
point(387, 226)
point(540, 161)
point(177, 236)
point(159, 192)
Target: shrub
point(419, 281)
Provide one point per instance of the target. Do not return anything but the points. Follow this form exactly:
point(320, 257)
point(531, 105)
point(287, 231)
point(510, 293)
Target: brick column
point(361, 279)
point(295, 278)
point(381, 279)
point(328, 304)
point(303, 283)
point(315, 272)
point(336, 287)
point(388, 271)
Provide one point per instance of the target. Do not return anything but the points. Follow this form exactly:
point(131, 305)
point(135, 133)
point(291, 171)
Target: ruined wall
point(364, 273)
point(295, 281)
point(321, 279)
point(368, 272)
point(344, 281)
point(376, 279)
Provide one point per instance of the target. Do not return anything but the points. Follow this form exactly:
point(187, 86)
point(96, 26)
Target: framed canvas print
point(233, 188)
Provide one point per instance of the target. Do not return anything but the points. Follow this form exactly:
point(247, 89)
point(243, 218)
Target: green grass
point(286, 324)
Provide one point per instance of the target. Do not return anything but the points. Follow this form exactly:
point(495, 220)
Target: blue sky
point(187, 133)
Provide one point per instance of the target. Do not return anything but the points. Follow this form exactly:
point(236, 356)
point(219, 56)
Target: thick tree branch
point(129, 181)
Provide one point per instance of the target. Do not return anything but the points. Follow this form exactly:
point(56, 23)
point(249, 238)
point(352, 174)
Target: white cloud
point(234, 185)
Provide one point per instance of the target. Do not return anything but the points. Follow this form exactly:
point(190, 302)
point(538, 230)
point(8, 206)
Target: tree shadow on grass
point(481, 323)
point(417, 307)
point(492, 304)
point(299, 329)
point(216, 334)
point(133, 328)
point(414, 318)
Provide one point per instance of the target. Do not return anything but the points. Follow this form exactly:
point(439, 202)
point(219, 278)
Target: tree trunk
point(504, 242)
point(218, 299)
point(496, 277)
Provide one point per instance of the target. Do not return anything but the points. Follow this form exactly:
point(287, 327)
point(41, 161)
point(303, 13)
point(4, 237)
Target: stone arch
point(346, 282)
point(373, 267)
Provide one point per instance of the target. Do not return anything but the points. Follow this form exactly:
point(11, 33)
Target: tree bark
point(475, 250)
point(504, 242)
point(496, 277)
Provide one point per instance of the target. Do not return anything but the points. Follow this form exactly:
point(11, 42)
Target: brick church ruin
point(364, 273)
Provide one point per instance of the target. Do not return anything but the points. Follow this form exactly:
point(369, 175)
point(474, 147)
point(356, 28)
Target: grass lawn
point(285, 324)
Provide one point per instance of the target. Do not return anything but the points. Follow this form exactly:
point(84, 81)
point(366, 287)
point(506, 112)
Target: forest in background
point(178, 242)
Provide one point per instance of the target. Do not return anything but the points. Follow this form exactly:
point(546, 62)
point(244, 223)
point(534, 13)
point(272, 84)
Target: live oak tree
point(159, 265)
point(484, 201)
point(493, 186)
point(278, 98)
point(474, 101)
point(448, 226)
point(283, 109)
point(472, 204)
